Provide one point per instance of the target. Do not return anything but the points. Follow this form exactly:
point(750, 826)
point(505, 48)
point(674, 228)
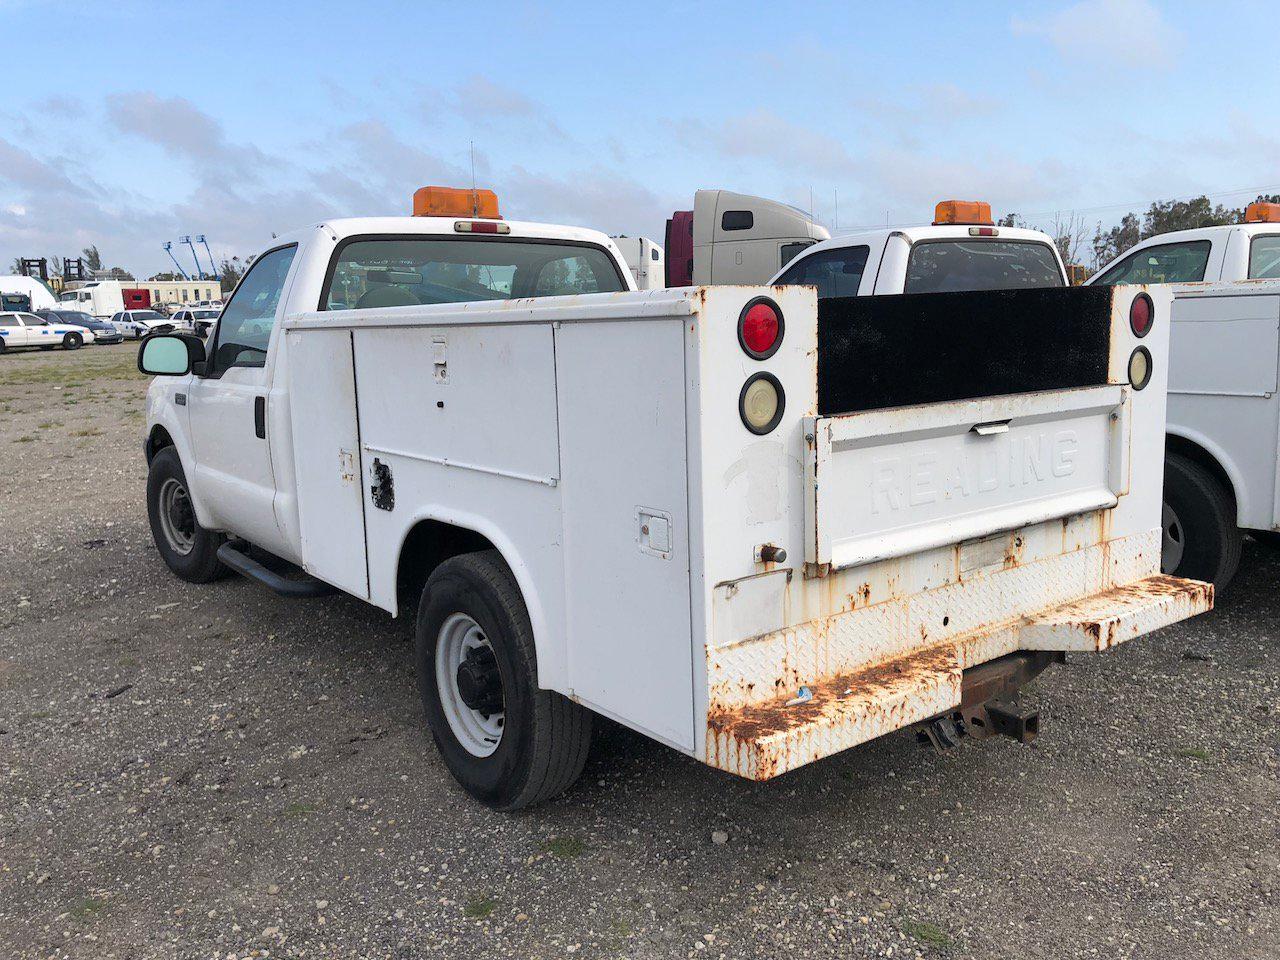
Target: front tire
point(507, 743)
point(188, 549)
point(1200, 536)
point(72, 341)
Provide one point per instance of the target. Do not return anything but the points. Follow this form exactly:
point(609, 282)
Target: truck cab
point(733, 237)
point(961, 250)
point(1222, 458)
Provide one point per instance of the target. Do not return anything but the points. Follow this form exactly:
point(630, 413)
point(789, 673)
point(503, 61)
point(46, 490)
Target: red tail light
point(760, 328)
point(1142, 314)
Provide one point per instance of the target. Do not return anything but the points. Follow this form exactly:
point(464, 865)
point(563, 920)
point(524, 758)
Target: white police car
point(29, 330)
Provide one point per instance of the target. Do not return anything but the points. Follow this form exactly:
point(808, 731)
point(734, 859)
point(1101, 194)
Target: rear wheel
point(508, 743)
point(3, 346)
point(72, 341)
point(1200, 538)
point(188, 549)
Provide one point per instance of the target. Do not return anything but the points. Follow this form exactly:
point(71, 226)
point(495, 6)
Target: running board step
point(246, 566)
point(1113, 616)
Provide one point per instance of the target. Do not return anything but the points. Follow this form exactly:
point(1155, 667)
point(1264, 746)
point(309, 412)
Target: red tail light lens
point(760, 328)
point(1142, 313)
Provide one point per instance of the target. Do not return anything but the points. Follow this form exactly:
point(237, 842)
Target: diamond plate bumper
point(764, 739)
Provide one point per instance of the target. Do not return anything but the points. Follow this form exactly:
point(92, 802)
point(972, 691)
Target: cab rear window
point(948, 266)
point(402, 271)
point(1264, 257)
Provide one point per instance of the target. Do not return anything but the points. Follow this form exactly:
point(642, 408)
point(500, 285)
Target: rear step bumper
point(246, 566)
point(763, 740)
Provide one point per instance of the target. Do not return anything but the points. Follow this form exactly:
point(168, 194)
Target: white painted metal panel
point(480, 398)
point(326, 435)
point(1225, 345)
point(894, 482)
point(626, 524)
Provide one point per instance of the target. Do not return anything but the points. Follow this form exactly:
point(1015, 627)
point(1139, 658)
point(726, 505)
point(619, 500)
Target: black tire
point(47, 347)
point(200, 564)
point(1206, 523)
point(545, 736)
point(72, 341)
point(1268, 538)
point(3, 346)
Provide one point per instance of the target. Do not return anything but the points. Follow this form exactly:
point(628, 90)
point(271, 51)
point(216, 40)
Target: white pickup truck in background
point(961, 250)
point(755, 526)
point(1223, 448)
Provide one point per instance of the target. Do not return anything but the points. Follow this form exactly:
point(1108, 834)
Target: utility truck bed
point(597, 441)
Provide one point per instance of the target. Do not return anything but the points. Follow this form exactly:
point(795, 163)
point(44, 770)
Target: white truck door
point(228, 408)
point(12, 331)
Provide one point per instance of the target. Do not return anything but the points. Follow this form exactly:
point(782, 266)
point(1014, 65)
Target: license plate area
point(887, 483)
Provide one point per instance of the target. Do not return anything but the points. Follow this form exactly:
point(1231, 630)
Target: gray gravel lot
point(215, 772)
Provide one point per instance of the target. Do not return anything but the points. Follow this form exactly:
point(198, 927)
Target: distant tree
point(55, 266)
point(92, 259)
point(1109, 244)
point(166, 275)
point(1011, 220)
point(231, 270)
point(1169, 215)
point(1069, 237)
point(119, 273)
point(16, 267)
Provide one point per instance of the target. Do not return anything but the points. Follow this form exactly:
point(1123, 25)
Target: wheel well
point(1199, 455)
point(429, 544)
point(157, 441)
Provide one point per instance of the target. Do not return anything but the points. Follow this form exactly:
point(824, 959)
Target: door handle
point(992, 428)
point(260, 417)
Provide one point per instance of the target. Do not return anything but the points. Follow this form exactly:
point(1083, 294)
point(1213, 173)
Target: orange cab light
point(1262, 212)
point(455, 202)
point(963, 211)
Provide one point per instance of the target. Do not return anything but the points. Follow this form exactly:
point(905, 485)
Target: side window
point(836, 273)
point(737, 220)
point(1165, 263)
point(789, 251)
point(247, 322)
point(1264, 257)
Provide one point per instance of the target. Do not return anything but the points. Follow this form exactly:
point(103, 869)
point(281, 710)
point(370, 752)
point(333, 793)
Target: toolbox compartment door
point(891, 482)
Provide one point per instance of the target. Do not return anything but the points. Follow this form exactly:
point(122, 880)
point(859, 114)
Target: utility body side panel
point(1223, 384)
point(626, 521)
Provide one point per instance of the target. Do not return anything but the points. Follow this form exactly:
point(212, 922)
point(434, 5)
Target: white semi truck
point(756, 527)
point(1222, 460)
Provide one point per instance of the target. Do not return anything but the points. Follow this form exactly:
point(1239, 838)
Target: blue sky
point(128, 124)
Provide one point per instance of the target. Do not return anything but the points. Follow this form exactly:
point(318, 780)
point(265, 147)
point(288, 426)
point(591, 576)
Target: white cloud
point(1122, 34)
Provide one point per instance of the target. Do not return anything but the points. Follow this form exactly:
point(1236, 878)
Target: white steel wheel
point(470, 685)
point(177, 518)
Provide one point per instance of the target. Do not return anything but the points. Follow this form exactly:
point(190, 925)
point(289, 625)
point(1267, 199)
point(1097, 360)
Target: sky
point(129, 124)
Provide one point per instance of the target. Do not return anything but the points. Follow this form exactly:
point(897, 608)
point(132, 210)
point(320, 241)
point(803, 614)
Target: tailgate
point(890, 482)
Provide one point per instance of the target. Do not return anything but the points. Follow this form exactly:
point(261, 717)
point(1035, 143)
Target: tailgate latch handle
point(990, 429)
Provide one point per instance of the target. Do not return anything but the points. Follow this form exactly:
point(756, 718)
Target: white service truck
point(755, 526)
point(1222, 452)
point(961, 250)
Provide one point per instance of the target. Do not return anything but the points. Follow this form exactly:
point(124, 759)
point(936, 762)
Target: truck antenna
point(475, 198)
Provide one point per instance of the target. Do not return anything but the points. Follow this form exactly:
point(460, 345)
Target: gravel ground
point(214, 772)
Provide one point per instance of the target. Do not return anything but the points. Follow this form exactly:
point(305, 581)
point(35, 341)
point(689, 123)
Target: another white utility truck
point(756, 527)
point(963, 249)
point(1222, 454)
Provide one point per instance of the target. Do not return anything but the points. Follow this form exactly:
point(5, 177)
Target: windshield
point(946, 266)
point(147, 315)
point(421, 270)
point(205, 314)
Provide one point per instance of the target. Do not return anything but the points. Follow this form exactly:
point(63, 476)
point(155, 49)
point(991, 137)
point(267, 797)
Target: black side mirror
point(170, 354)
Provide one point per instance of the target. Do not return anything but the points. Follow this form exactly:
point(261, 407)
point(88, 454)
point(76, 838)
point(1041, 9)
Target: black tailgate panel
point(894, 351)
